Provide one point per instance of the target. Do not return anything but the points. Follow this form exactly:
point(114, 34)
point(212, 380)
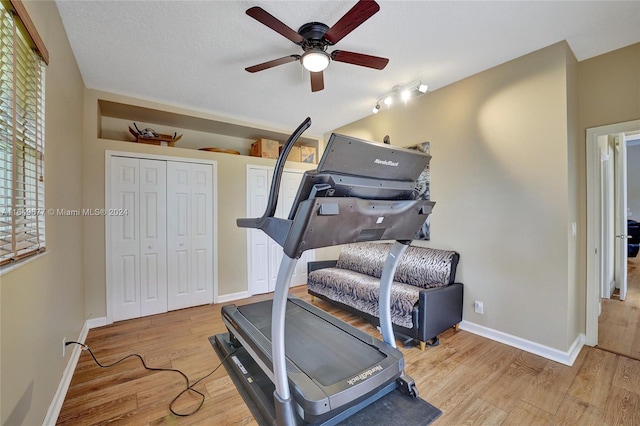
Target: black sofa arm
point(320, 264)
point(438, 309)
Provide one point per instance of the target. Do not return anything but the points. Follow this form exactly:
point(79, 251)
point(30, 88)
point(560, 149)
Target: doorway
point(606, 219)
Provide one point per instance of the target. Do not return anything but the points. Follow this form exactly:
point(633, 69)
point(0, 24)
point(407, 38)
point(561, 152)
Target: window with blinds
point(22, 213)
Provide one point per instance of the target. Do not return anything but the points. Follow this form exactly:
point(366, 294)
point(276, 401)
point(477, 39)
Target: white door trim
point(109, 154)
point(593, 219)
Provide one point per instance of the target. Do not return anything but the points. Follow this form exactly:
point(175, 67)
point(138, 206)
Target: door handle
point(623, 236)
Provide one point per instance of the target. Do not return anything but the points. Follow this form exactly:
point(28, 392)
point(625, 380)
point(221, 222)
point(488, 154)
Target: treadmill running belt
point(323, 351)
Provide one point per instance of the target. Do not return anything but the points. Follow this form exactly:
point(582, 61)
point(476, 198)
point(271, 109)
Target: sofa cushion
point(425, 267)
point(365, 258)
point(419, 266)
point(362, 292)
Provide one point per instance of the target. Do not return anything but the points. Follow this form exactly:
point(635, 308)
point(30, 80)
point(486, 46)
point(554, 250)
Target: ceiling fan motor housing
point(313, 34)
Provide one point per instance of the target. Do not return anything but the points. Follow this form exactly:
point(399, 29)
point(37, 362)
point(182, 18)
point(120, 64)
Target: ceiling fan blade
point(274, 63)
point(359, 13)
point(261, 15)
point(359, 59)
point(317, 81)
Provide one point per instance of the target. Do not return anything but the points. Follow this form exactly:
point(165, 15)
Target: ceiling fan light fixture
point(315, 60)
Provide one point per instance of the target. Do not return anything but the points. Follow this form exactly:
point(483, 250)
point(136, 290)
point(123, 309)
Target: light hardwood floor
point(473, 380)
point(619, 322)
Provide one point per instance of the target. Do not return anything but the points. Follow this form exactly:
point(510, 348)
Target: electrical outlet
point(478, 307)
point(64, 346)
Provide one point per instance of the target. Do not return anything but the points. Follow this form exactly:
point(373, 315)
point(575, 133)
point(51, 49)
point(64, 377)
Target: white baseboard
point(61, 392)
point(95, 322)
point(233, 296)
point(58, 399)
point(567, 358)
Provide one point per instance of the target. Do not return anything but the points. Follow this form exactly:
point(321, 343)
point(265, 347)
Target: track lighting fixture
point(400, 94)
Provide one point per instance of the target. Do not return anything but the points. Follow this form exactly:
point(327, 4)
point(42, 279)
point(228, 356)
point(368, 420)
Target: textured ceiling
point(193, 53)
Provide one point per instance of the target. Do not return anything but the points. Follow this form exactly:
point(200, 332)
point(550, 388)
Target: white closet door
point(288, 190)
point(264, 253)
point(201, 234)
point(124, 239)
point(190, 234)
point(137, 283)
point(153, 237)
point(258, 242)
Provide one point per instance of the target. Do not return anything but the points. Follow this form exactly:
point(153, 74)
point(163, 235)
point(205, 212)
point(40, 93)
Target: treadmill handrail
point(272, 202)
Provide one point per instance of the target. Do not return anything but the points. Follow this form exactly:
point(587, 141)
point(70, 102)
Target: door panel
point(202, 234)
point(190, 239)
point(621, 215)
point(258, 241)
point(153, 237)
point(128, 280)
point(124, 271)
point(264, 254)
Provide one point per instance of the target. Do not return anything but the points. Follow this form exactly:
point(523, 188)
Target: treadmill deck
point(323, 362)
point(331, 365)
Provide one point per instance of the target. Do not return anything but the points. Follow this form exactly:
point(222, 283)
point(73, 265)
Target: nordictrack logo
point(365, 374)
point(386, 162)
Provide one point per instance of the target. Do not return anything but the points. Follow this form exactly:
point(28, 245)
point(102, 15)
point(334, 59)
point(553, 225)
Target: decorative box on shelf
point(307, 154)
point(265, 148)
point(150, 137)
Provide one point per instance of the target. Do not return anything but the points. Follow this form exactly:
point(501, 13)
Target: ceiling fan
point(315, 37)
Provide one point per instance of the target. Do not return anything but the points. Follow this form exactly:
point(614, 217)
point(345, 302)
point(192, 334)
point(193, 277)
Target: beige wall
point(500, 142)
point(232, 241)
point(43, 300)
point(609, 88)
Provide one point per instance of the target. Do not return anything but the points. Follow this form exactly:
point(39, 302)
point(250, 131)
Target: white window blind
point(22, 218)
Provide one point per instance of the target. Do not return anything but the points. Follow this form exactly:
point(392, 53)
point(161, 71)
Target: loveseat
point(425, 299)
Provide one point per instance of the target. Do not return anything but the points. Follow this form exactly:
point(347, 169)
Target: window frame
point(22, 134)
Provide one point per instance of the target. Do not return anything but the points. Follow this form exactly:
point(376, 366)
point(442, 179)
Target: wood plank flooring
point(619, 322)
point(473, 380)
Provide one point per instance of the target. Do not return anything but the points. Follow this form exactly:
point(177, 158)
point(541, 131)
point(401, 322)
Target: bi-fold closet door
point(160, 228)
point(264, 253)
point(190, 238)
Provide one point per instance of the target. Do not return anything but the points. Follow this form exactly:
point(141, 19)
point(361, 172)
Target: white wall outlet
point(64, 346)
point(478, 307)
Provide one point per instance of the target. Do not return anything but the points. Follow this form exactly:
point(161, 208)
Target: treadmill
point(322, 370)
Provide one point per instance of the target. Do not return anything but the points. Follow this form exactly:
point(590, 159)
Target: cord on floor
point(189, 386)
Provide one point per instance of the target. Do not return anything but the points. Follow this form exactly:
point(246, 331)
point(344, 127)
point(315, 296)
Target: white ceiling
point(193, 53)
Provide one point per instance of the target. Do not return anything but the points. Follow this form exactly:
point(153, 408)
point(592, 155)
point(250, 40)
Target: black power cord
point(188, 388)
